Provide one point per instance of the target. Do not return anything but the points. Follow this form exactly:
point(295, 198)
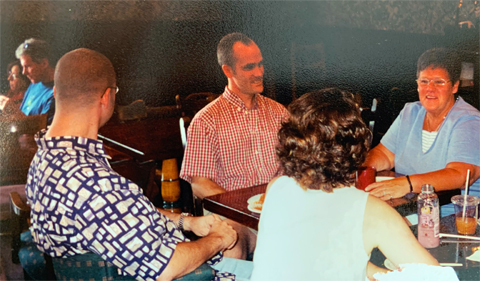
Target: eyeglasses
point(436, 82)
point(13, 75)
point(116, 90)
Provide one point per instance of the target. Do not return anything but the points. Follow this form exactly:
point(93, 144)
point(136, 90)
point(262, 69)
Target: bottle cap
point(428, 188)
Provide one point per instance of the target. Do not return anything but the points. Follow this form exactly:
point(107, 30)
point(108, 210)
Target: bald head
point(81, 77)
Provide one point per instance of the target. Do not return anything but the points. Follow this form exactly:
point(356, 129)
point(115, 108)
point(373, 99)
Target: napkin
point(475, 256)
point(418, 272)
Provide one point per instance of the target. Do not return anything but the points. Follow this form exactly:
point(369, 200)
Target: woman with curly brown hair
point(315, 224)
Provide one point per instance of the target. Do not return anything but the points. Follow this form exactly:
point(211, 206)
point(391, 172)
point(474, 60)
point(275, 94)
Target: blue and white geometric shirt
point(79, 204)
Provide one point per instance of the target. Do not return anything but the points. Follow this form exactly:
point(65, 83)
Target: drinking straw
point(450, 264)
point(466, 192)
point(458, 236)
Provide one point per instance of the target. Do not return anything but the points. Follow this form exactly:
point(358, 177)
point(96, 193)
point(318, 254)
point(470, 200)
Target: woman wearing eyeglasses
point(18, 85)
point(435, 140)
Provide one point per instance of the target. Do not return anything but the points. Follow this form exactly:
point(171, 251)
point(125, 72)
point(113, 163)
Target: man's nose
point(259, 71)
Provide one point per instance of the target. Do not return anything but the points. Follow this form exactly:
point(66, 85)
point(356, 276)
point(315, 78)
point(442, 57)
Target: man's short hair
point(37, 49)
point(444, 58)
point(82, 74)
point(225, 47)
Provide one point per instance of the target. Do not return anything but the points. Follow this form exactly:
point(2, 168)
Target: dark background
point(164, 48)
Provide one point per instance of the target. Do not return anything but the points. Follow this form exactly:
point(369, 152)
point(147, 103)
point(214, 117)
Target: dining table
point(451, 251)
point(234, 204)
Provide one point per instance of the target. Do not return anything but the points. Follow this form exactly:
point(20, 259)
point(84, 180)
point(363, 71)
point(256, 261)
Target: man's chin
point(258, 89)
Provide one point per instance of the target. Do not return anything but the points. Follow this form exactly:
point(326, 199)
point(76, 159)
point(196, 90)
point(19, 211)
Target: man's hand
point(199, 225)
point(225, 232)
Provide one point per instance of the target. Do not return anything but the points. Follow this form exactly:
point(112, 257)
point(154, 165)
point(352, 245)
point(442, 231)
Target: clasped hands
point(389, 189)
point(212, 225)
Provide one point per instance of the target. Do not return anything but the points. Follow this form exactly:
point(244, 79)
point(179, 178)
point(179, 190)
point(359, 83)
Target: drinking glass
point(466, 223)
point(364, 176)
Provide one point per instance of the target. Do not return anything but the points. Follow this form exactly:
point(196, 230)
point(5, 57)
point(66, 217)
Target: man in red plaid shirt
point(231, 142)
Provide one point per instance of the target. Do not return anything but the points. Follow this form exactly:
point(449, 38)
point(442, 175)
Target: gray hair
point(445, 58)
point(35, 48)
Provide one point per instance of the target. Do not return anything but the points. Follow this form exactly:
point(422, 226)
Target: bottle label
point(430, 217)
point(426, 219)
point(428, 222)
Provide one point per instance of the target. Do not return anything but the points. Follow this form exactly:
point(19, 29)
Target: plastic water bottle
point(428, 217)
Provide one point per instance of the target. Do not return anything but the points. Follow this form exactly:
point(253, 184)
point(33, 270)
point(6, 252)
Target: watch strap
point(181, 220)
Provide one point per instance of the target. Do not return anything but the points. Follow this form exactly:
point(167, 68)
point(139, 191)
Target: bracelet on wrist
point(410, 183)
point(181, 220)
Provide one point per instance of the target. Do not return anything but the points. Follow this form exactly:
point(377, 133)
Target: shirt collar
point(90, 146)
point(236, 101)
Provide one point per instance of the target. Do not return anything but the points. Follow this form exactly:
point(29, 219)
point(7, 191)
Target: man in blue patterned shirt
point(79, 204)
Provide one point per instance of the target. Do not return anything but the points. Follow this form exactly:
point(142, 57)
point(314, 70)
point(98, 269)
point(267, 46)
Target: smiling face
point(33, 70)
point(437, 100)
point(247, 73)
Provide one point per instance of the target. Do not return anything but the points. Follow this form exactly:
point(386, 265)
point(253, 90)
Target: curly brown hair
point(324, 141)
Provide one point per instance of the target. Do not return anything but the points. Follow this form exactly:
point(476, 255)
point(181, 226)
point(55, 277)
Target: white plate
point(377, 179)
point(252, 209)
point(389, 265)
point(254, 198)
point(251, 201)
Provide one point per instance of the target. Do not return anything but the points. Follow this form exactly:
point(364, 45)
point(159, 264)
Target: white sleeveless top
point(310, 235)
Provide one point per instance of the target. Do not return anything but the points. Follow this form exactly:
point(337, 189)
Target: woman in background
point(315, 225)
point(18, 85)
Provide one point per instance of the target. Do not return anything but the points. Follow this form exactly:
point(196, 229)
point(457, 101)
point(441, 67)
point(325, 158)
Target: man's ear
point(227, 70)
point(44, 63)
point(105, 98)
point(54, 92)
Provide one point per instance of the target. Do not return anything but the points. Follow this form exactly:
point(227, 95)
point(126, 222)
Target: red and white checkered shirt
point(234, 146)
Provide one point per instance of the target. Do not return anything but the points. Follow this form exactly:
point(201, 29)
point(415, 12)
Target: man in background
point(79, 204)
point(231, 142)
point(34, 56)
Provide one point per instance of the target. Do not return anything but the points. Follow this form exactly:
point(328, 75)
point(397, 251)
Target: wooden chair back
point(134, 111)
point(196, 101)
point(184, 122)
point(197, 204)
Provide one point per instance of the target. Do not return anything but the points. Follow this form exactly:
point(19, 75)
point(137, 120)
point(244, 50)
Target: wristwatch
point(180, 221)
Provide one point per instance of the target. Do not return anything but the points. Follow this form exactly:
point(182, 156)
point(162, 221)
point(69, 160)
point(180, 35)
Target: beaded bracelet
point(410, 183)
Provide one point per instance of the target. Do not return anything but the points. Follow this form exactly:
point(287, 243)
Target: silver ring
point(391, 197)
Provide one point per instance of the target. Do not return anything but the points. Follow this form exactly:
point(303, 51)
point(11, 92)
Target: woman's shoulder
point(464, 110)
point(279, 182)
point(412, 108)
point(378, 210)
